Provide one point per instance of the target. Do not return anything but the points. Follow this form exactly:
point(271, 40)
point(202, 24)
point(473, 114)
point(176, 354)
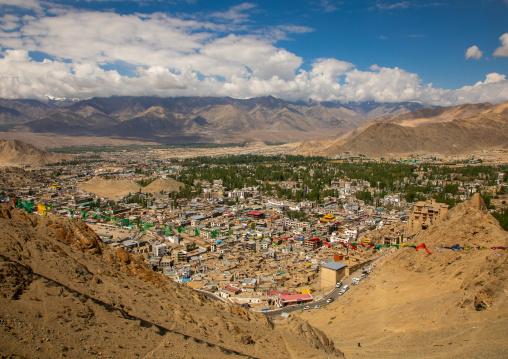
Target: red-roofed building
point(275, 292)
point(256, 214)
point(292, 299)
point(232, 289)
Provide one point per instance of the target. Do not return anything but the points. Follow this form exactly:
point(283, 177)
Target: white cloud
point(503, 49)
point(27, 4)
point(235, 13)
point(493, 89)
point(492, 78)
point(107, 37)
point(9, 22)
point(254, 55)
point(382, 85)
point(176, 57)
point(276, 33)
point(474, 53)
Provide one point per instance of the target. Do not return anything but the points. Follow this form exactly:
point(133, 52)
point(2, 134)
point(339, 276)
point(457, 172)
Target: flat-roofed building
point(425, 214)
point(291, 299)
point(333, 272)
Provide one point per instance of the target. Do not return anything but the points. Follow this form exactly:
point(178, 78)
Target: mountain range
point(195, 119)
point(447, 130)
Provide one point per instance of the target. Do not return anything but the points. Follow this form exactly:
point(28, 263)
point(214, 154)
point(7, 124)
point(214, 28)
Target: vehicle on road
point(306, 307)
point(317, 306)
point(329, 300)
point(338, 285)
point(345, 288)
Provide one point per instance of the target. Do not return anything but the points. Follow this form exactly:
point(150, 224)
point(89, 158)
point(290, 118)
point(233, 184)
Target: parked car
point(345, 288)
point(338, 285)
point(329, 300)
point(317, 307)
point(306, 307)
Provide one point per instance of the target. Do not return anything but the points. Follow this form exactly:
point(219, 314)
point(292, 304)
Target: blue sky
point(439, 52)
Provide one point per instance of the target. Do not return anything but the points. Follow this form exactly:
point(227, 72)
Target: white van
point(346, 287)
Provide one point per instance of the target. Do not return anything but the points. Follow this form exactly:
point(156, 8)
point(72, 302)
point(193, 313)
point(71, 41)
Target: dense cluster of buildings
point(239, 244)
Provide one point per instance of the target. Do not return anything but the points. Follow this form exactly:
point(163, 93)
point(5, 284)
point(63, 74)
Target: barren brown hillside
point(163, 184)
point(115, 189)
point(112, 189)
point(64, 293)
point(447, 304)
point(15, 152)
point(445, 131)
point(440, 114)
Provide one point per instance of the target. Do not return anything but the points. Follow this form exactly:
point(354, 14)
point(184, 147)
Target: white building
point(351, 234)
point(172, 239)
point(159, 250)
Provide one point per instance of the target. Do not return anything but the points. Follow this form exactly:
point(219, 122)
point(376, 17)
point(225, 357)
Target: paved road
point(333, 294)
point(210, 295)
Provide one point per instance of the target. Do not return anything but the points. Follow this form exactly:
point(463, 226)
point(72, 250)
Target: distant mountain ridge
point(195, 119)
point(448, 130)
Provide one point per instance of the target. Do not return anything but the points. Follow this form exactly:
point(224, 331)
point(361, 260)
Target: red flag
point(422, 246)
point(353, 246)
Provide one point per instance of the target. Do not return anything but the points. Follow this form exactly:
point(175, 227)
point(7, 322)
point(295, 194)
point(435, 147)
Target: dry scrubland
point(64, 293)
point(443, 305)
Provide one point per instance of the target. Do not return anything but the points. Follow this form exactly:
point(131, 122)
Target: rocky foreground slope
point(64, 293)
point(447, 304)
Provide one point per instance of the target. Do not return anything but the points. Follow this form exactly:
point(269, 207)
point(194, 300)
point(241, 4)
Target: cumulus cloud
point(493, 89)
point(171, 56)
point(252, 55)
point(503, 49)
point(474, 53)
